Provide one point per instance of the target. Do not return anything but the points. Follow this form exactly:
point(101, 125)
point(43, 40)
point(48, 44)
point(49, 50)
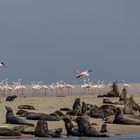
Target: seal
point(57, 113)
point(76, 103)
point(8, 132)
point(86, 129)
point(123, 95)
point(76, 108)
point(43, 116)
point(113, 93)
point(30, 107)
point(23, 113)
point(135, 106)
point(41, 130)
point(128, 108)
point(11, 98)
point(107, 101)
point(55, 116)
point(70, 128)
point(65, 109)
point(10, 118)
point(85, 110)
point(104, 128)
point(108, 107)
point(120, 118)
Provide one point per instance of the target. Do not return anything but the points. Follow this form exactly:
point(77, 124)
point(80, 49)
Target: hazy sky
point(49, 39)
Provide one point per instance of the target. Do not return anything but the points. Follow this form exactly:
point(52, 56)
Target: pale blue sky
point(48, 39)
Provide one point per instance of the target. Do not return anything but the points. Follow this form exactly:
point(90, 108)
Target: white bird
point(110, 86)
point(83, 74)
point(125, 85)
point(69, 87)
point(86, 86)
point(2, 64)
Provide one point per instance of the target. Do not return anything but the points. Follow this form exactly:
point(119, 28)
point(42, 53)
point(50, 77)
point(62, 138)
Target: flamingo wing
point(78, 76)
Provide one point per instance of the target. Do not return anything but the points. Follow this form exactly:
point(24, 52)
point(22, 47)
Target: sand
point(50, 104)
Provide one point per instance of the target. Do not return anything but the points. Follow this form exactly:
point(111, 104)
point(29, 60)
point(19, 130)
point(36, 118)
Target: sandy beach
point(50, 104)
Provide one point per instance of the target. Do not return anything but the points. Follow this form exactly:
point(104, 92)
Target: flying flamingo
point(2, 64)
point(83, 74)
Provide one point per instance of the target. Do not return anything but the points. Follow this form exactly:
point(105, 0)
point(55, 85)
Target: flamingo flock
point(91, 88)
point(7, 89)
point(59, 88)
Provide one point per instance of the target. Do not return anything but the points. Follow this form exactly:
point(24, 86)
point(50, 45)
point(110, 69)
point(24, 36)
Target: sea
point(115, 137)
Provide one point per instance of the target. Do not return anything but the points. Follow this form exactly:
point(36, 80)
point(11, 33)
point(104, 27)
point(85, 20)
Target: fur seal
point(135, 106)
point(23, 113)
point(123, 95)
point(85, 110)
point(104, 128)
point(57, 113)
point(30, 107)
point(65, 109)
point(10, 118)
point(107, 107)
point(8, 132)
point(120, 118)
point(70, 128)
point(85, 128)
point(94, 112)
point(11, 98)
point(41, 130)
point(128, 108)
point(76, 103)
point(24, 129)
point(76, 107)
point(43, 116)
point(113, 93)
point(55, 116)
point(107, 101)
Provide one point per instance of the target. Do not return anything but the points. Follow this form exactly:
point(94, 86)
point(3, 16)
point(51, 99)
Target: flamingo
point(44, 87)
point(93, 87)
point(110, 86)
point(86, 86)
point(7, 88)
point(100, 85)
point(3, 92)
point(61, 86)
point(19, 88)
point(69, 87)
point(125, 85)
point(2, 64)
point(83, 74)
point(52, 87)
point(35, 88)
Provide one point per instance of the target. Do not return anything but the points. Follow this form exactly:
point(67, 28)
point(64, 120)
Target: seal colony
point(84, 116)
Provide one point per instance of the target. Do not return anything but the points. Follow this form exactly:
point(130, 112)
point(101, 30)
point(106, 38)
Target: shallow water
point(117, 137)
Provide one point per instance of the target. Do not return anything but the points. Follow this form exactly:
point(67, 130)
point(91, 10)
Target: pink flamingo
point(83, 74)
